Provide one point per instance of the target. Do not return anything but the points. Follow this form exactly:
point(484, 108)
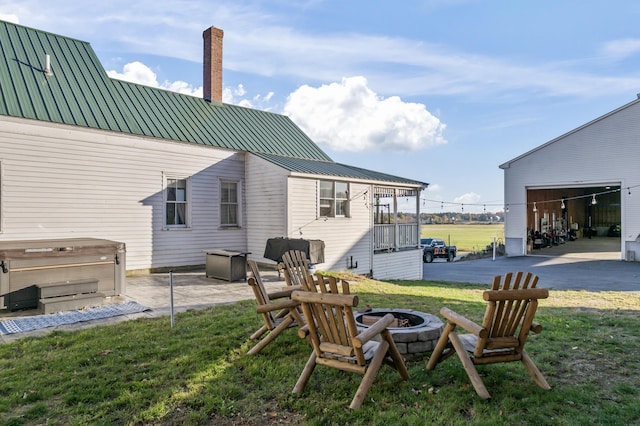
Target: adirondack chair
point(332, 332)
point(277, 315)
point(295, 267)
point(508, 319)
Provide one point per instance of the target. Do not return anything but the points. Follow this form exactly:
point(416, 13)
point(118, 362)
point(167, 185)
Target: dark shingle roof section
point(80, 93)
point(329, 168)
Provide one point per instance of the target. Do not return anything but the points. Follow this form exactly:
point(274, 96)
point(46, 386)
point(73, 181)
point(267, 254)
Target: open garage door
point(575, 221)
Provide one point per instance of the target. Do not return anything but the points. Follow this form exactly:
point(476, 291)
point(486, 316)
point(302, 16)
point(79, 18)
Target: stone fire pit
point(418, 331)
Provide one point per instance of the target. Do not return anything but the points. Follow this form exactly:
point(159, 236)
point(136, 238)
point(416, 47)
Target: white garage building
point(585, 183)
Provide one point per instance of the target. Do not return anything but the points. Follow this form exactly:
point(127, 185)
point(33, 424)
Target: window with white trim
point(334, 199)
point(176, 196)
point(229, 203)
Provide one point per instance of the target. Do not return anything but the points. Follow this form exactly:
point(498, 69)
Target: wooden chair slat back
point(327, 284)
point(296, 267)
point(253, 267)
point(520, 306)
point(257, 285)
point(504, 307)
point(262, 298)
point(330, 320)
point(512, 304)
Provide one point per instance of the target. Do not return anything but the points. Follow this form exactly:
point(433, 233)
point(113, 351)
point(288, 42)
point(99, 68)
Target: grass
point(467, 237)
point(145, 372)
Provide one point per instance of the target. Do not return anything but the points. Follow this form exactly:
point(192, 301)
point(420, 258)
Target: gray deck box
point(226, 265)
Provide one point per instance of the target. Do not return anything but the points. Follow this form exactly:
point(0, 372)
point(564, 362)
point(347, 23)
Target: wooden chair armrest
point(373, 330)
point(303, 331)
point(464, 322)
point(536, 327)
point(280, 294)
point(276, 306)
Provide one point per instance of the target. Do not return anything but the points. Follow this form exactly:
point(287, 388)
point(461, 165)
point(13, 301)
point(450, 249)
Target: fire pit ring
point(416, 338)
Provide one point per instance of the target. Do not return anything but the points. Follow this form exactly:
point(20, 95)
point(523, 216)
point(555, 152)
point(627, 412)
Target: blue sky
point(442, 91)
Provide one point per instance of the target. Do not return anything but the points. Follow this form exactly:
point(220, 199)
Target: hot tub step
point(70, 303)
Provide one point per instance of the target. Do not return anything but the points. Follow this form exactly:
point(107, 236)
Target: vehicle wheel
point(450, 257)
point(428, 257)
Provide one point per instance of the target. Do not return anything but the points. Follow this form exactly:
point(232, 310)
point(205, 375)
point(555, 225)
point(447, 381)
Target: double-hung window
point(334, 199)
point(229, 203)
point(176, 202)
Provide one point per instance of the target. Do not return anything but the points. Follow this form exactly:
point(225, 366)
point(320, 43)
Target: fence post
point(171, 296)
point(494, 248)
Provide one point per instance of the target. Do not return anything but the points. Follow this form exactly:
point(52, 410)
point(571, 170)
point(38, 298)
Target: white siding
point(289, 208)
point(346, 238)
point(399, 265)
point(603, 152)
point(266, 189)
point(62, 181)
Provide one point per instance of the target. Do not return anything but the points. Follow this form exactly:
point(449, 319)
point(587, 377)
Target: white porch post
point(418, 228)
point(396, 235)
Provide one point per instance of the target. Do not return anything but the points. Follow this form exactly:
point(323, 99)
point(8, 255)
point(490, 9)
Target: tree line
point(451, 217)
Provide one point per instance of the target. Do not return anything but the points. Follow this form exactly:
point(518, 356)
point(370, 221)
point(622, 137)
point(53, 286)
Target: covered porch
point(395, 230)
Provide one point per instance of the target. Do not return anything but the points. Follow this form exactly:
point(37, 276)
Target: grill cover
point(276, 247)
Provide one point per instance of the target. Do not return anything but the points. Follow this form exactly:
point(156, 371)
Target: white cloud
point(182, 87)
point(468, 198)
point(236, 96)
point(9, 18)
point(434, 187)
point(621, 49)
point(349, 116)
point(137, 72)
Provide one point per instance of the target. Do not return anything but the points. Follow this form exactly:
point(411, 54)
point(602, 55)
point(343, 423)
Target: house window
point(334, 199)
point(229, 203)
point(176, 203)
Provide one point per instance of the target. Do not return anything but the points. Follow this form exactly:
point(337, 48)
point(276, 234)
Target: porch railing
point(395, 237)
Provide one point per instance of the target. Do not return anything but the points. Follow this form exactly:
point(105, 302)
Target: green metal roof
point(330, 168)
point(79, 92)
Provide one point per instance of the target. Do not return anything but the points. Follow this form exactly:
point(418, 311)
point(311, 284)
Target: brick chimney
point(212, 64)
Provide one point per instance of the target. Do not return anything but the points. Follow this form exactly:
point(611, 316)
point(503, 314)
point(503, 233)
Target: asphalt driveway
point(560, 273)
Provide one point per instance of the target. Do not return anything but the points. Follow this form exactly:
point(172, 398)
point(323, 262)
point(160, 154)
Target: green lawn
point(468, 237)
point(143, 372)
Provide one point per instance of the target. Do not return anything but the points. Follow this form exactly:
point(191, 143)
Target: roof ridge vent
point(47, 65)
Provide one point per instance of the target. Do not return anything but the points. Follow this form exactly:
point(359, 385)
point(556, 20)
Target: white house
point(585, 182)
point(171, 175)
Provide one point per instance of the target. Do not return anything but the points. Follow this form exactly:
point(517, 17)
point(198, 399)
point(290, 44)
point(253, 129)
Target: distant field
point(468, 237)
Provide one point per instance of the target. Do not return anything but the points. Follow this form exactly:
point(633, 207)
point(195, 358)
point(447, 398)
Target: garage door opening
point(580, 222)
